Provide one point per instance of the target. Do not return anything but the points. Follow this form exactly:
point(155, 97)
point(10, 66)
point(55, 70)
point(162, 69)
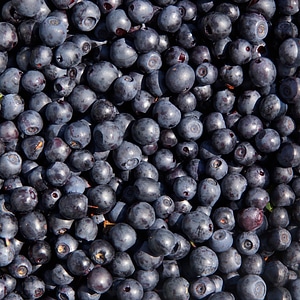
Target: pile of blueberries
point(150, 149)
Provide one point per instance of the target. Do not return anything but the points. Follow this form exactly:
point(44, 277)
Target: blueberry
point(49, 198)
point(102, 109)
point(215, 26)
point(13, 296)
point(221, 240)
point(185, 187)
point(8, 253)
point(122, 236)
point(122, 265)
point(56, 150)
point(78, 134)
point(11, 106)
point(253, 27)
point(78, 263)
point(30, 122)
point(86, 229)
point(216, 167)
point(252, 287)
point(197, 226)
point(262, 72)
point(85, 15)
point(166, 114)
point(176, 288)
point(161, 242)
point(250, 218)
point(10, 164)
point(247, 243)
point(107, 136)
point(224, 140)
point(38, 102)
point(9, 226)
point(63, 86)
point(186, 36)
point(145, 39)
point(181, 248)
point(190, 128)
point(40, 56)
point(203, 261)
point(202, 287)
point(125, 88)
point(83, 292)
point(223, 101)
point(229, 261)
point(209, 191)
point(249, 126)
point(140, 11)
point(24, 199)
point(10, 80)
point(247, 102)
point(39, 252)
point(81, 160)
point(9, 283)
point(73, 206)
point(170, 19)
point(288, 155)
point(57, 173)
point(127, 156)
point(149, 62)
point(33, 225)
point(253, 264)
point(52, 31)
point(141, 215)
point(9, 134)
point(52, 72)
point(279, 217)
point(278, 293)
point(145, 260)
point(275, 273)
point(33, 287)
point(267, 140)
point(288, 10)
point(186, 75)
point(65, 290)
point(101, 252)
point(9, 37)
point(122, 53)
point(271, 107)
point(101, 172)
point(129, 289)
point(206, 73)
point(240, 51)
point(145, 131)
point(64, 245)
point(95, 78)
point(185, 102)
point(58, 112)
point(284, 125)
point(293, 288)
point(102, 197)
point(146, 169)
point(99, 280)
point(60, 275)
point(67, 55)
point(117, 22)
point(155, 83)
point(245, 154)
